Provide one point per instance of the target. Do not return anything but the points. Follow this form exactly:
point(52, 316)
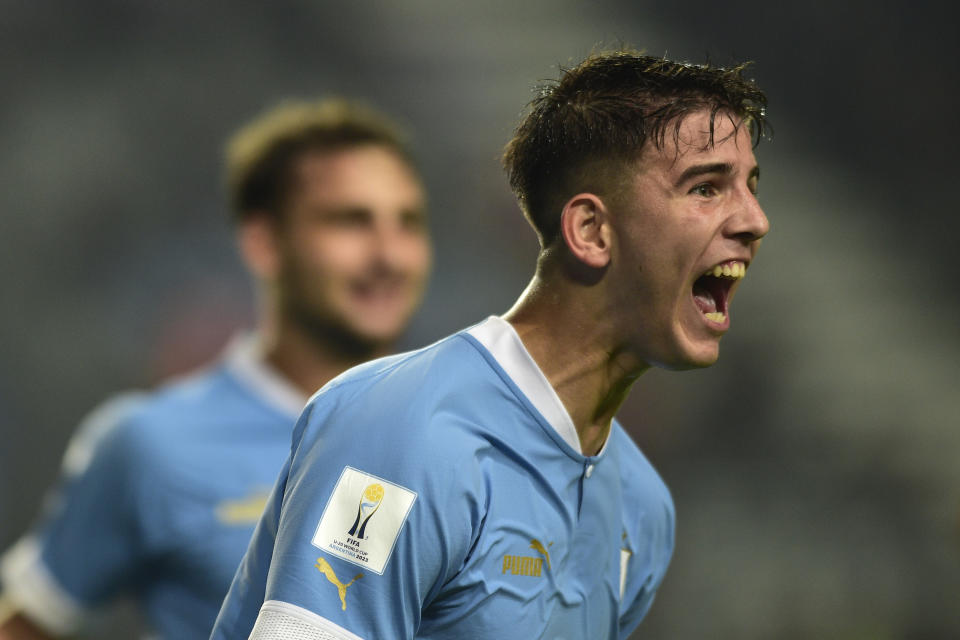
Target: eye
point(704, 190)
point(413, 221)
point(347, 218)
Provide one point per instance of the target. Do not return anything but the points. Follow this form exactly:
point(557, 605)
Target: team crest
point(625, 554)
point(363, 518)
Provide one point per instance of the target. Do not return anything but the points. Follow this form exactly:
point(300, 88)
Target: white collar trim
point(244, 358)
point(501, 340)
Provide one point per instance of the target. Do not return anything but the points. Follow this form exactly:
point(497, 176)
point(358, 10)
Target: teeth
point(716, 316)
point(735, 269)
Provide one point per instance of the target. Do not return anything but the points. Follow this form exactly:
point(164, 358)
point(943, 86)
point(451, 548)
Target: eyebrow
point(723, 168)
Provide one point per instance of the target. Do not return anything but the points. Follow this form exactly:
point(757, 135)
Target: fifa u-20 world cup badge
point(369, 503)
point(363, 518)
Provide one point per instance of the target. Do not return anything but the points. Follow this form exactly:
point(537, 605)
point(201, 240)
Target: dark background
point(815, 468)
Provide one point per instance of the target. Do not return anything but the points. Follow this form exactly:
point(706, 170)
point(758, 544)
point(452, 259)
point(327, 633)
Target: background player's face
point(353, 246)
point(691, 207)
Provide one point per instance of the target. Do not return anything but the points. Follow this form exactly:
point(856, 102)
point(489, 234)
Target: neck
point(303, 359)
point(570, 336)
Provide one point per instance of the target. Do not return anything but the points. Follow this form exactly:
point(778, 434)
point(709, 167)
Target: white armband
point(30, 589)
point(284, 621)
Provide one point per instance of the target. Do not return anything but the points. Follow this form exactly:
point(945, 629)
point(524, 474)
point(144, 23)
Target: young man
point(161, 492)
point(481, 487)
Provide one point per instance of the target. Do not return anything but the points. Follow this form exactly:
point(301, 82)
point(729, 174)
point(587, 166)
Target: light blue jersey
point(159, 496)
point(443, 494)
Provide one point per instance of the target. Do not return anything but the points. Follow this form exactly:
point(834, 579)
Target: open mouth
point(711, 291)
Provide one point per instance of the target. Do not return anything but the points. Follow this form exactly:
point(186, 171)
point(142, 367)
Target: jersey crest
point(625, 554)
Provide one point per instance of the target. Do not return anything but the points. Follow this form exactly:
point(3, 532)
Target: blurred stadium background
point(815, 468)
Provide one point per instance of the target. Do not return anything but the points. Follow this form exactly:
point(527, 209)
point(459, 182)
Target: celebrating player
point(161, 491)
point(481, 487)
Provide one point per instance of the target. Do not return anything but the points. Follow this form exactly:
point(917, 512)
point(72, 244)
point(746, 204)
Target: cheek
point(332, 254)
point(419, 254)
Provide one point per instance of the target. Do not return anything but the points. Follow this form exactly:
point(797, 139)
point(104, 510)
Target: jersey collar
point(501, 340)
point(244, 359)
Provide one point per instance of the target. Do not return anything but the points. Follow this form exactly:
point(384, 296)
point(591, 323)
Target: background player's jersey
point(428, 495)
point(159, 496)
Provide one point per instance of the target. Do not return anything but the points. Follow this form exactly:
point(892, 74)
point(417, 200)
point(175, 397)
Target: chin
point(704, 358)
point(354, 337)
point(383, 331)
point(684, 359)
point(703, 362)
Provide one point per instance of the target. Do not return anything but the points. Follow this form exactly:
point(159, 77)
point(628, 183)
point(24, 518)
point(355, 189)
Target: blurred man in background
point(481, 487)
point(160, 491)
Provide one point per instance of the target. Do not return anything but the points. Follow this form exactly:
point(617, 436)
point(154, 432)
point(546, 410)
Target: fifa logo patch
point(369, 503)
point(363, 518)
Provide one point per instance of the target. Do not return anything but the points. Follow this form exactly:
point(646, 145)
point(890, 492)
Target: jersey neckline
point(501, 340)
point(244, 359)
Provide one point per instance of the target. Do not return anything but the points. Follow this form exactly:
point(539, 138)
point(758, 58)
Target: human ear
point(257, 239)
point(585, 226)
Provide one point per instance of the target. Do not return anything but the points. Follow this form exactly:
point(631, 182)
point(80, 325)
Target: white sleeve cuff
point(29, 585)
point(284, 621)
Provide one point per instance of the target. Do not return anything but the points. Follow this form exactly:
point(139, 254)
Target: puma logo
point(537, 546)
point(324, 567)
point(528, 565)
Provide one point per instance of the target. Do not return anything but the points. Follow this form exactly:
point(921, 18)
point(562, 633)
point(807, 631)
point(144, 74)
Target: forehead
point(356, 173)
point(693, 143)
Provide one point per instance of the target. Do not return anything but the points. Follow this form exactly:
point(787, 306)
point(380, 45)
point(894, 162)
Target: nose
point(392, 243)
point(748, 222)
point(384, 241)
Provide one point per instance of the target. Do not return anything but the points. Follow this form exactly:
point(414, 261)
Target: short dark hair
point(583, 130)
point(261, 155)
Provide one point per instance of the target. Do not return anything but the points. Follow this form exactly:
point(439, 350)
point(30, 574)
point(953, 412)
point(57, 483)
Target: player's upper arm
point(377, 515)
point(82, 549)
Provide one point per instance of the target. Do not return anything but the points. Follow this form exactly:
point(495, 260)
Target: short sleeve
point(86, 546)
point(376, 518)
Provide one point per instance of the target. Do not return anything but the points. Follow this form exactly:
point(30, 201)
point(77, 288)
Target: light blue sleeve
point(378, 513)
point(93, 538)
point(85, 547)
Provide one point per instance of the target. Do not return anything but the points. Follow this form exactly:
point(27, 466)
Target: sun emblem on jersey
point(324, 567)
point(369, 503)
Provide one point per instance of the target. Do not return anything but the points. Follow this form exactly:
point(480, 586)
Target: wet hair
point(261, 156)
point(584, 131)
